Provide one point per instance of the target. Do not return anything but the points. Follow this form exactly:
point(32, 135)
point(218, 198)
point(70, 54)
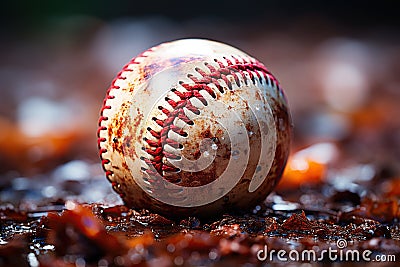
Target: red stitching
point(254, 70)
point(250, 66)
point(103, 118)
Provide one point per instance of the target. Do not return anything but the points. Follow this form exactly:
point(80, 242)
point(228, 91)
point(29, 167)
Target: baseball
point(194, 127)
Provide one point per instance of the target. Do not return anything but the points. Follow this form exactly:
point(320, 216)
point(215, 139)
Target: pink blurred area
point(342, 82)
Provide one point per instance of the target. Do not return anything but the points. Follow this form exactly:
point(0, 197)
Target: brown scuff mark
point(192, 152)
point(206, 133)
point(144, 74)
point(131, 87)
point(115, 131)
point(192, 149)
point(124, 165)
point(132, 129)
point(283, 137)
point(122, 131)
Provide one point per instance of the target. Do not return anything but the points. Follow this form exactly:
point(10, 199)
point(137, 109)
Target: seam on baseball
point(105, 162)
point(212, 78)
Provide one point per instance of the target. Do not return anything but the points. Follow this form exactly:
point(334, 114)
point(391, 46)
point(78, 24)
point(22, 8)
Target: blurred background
point(338, 62)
